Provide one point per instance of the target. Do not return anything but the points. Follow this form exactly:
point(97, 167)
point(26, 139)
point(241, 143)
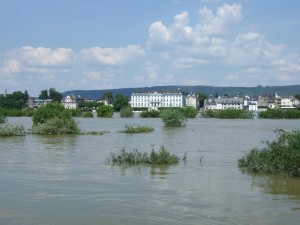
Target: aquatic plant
point(3, 119)
point(12, 130)
point(88, 114)
point(228, 114)
point(126, 112)
point(137, 129)
point(162, 157)
point(173, 117)
point(149, 113)
point(105, 111)
point(56, 126)
point(281, 156)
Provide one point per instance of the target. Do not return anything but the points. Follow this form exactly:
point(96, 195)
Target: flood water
point(62, 180)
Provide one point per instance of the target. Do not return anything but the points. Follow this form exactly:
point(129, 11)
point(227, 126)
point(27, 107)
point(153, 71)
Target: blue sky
point(107, 44)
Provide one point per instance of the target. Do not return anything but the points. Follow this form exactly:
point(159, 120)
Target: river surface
point(69, 180)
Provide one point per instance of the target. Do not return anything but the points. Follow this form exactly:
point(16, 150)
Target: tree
point(55, 95)
point(126, 112)
point(108, 97)
point(105, 111)
point(173, 117)
point(201, 98)
point(26, 96)
point(44, 94)
point(120, 102)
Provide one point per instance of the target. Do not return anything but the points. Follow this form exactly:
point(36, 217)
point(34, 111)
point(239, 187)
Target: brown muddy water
point(62, 180)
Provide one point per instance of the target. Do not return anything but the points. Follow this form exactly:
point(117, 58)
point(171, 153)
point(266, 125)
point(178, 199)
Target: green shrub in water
point(12, 130)
point(126, 112)
point(281, 156)
point(162, 157)
point(137, 129)
point(173, 117)
point(87, 115)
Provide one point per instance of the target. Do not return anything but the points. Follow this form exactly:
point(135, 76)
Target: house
point(224, 103)
point(71, 101)
point(158, 99)
point(36, 102)
point(192, 101)
point(287, 102)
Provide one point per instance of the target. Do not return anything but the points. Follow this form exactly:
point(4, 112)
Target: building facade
point(158, 99)
point(224, 103)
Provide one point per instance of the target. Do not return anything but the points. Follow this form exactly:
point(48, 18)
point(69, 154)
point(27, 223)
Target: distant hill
point(208, 90)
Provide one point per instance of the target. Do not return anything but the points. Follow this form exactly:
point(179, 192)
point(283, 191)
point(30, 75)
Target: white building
point(224, 103)
point(192, 101)
point(72, 101)
point(287, 102)
point(158, 99)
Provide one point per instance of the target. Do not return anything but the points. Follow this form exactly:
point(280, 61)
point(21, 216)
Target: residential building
point(287, 102)
point(192, 101)
point(158, 99)
point(72, 101)
point(36, 102)
point(224, 103)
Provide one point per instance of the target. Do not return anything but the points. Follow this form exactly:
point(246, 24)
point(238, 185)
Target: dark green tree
point(201, 98)
point(44, 94)
point(120, 102)
point(105, 111)
point(108, 97)
point(55, 95)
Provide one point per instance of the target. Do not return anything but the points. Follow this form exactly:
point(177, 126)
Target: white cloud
point(40, 56)
point(111, 56)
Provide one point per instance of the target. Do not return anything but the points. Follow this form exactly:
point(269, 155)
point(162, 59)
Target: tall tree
point(26, 96)
point(44, 94)
point(120, 102)
point(108, 97)
point(201, 98)
point(55, 95)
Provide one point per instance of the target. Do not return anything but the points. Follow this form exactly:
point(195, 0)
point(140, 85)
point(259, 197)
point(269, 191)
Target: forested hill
point(208, 90)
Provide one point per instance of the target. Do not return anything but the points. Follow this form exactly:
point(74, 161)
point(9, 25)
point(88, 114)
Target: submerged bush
point(12, 130)
point(56, 126)
point(228, 114)
point(189, 112)
point(162, 157)
point(280, 114)
point(105, 111)
point(150, 113)
point(53, 118)
point(137, 129)
point(173, 117)
point(3, 119)
point(126, 112)
point(87, 115)
point(281, 156)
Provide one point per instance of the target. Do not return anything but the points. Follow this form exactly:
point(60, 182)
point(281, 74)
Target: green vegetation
point(150, 113)
point(281, 156)
point(16, 100)
point(87, 115)
point(53, 118)
point(280, 114)
point(51, 94)
point(94, 132)
point(162, 157)
point(12, 130)
point(3, 118)
point(126, 112)
point(137, 129)
point(75, 112)
point(173, 117)
point(105, 111)
point(189, 112)
point(120, 102)
point(228, 114)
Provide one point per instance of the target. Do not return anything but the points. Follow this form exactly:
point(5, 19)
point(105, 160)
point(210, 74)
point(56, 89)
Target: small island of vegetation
point(281, 156)
point(161, 157)
point(228, 114)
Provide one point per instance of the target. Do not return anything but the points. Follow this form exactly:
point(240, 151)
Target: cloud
point(111, 56)
point(41, 56)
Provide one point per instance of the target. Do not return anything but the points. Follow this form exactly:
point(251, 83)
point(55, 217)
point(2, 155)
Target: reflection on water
point(68, 180)
point(278, 185)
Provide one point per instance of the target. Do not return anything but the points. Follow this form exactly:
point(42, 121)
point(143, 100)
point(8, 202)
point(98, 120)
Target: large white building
point(158, 99)
point(224, 103)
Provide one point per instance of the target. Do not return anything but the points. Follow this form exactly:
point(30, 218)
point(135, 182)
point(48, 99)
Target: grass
point(133, 129)
point(160, 157)
point(281, 156)
point(12, 130)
